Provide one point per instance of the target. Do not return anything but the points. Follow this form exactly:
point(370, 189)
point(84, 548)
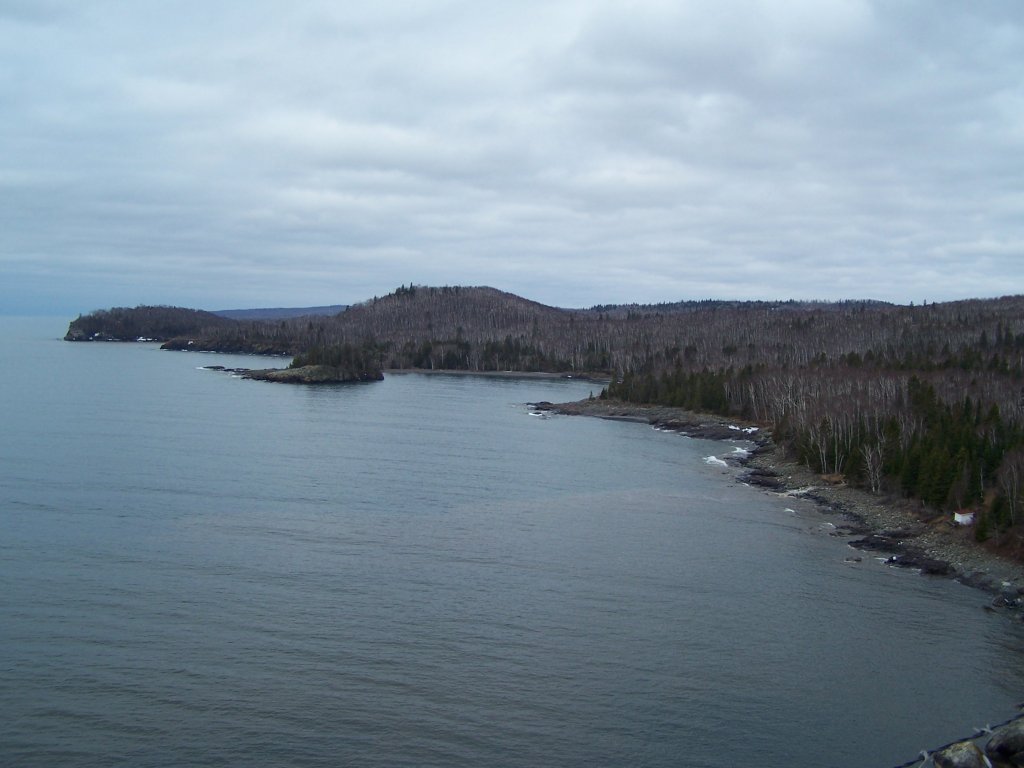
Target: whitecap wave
point(714, 461)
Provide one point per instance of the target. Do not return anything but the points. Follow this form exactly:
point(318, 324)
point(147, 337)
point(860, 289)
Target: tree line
point(948, 434)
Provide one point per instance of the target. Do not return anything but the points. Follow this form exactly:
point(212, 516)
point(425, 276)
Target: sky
point(577, 152)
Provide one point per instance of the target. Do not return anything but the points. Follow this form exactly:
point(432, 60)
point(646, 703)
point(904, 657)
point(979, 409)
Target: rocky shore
point(1001, 747)
point(908, 534)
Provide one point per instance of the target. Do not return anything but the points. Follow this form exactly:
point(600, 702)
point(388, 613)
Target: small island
point(313, 374)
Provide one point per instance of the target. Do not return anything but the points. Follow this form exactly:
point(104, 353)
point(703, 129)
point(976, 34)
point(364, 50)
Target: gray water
point(201, 570)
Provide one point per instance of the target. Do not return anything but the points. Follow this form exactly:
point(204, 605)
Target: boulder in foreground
point(962, 755)
point(1006, 747)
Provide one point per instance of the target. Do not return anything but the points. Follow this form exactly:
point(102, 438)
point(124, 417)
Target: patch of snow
point(799, 491)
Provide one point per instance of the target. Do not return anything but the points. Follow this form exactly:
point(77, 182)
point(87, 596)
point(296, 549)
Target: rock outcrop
point(312, 374)
point(1006, 747)
point(963, 755)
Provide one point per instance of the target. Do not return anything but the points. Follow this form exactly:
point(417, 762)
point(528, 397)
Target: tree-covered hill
point(153, 323)
point(462, 328)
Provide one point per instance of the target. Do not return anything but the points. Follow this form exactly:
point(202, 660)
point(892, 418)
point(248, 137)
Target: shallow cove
point(203, 570)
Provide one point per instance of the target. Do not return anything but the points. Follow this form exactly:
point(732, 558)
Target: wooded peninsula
point(924, 402)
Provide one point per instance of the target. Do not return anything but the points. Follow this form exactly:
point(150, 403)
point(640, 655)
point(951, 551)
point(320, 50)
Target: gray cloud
point(575, 152)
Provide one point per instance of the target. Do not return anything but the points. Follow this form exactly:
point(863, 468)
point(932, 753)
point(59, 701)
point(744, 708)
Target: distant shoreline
point(593, 378)
point(912, 536)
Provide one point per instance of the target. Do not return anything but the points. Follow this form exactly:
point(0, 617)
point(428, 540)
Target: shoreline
point(912, 536)
point(588, 377)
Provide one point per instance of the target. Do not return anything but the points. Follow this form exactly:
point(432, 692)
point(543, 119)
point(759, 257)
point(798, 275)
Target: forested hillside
point(153, 323)
point(924, 401)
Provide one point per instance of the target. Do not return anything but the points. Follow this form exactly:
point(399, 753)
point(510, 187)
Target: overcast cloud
point(263, 153)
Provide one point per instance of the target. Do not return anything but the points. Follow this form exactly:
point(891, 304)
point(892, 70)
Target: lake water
point(201, 570)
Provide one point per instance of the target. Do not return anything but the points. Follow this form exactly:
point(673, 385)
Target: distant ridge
point(279, 313)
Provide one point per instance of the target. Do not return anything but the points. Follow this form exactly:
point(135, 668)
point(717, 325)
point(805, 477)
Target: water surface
point(198, 569)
